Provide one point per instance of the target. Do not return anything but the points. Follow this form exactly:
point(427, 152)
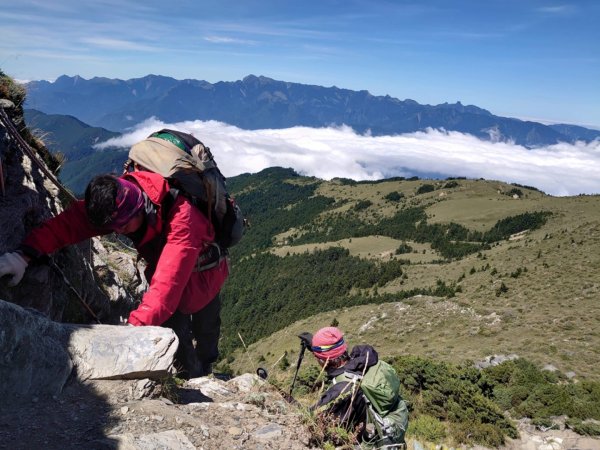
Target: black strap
point(168, 203)
point(212, 255)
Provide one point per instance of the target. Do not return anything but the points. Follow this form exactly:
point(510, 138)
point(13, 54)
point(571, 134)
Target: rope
point(25, 148)
point(70, 286)
point(2, 178)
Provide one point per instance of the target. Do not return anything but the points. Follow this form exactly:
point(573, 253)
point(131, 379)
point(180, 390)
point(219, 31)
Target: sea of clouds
point(561, 169)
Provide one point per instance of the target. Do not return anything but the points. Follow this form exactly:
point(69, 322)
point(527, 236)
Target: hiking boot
point(206, 369)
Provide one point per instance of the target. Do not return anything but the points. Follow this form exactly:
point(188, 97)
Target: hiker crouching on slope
point(364, 395)
point(181, 295)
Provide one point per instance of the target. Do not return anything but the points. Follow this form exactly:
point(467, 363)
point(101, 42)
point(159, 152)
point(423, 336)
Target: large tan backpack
point(190, 168)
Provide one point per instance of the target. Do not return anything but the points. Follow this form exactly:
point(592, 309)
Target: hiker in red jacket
point(172, 236)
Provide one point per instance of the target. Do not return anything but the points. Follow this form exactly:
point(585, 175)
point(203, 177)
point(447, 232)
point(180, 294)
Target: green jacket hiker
point(364, 394)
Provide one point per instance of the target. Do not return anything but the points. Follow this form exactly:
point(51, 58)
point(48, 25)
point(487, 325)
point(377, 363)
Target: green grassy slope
point(535, 294)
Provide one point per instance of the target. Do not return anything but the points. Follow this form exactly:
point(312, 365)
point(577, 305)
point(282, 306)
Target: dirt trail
point(243, 413)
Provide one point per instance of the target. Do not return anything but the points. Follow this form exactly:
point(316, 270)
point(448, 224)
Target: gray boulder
point(121, 352)
point(37, 355)
point(33, 354)
point(494, 360)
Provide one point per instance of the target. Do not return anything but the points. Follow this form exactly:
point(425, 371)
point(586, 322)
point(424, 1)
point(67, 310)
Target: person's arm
point(336, 393)
point(69, 227)
point(187, 231)
point(345, 402)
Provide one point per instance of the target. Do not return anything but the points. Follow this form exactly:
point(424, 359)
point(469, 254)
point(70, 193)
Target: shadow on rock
point(74, 418)
point(49, 398)
point(187, 396)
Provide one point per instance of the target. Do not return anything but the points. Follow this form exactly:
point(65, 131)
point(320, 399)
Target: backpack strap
point(210, 257)
point(349, 377)
point(168, 202)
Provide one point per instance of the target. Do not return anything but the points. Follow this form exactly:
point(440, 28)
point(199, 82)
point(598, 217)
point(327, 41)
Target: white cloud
point(227, 40)
point(557, 9)
point(118, 44)
point(561, 169)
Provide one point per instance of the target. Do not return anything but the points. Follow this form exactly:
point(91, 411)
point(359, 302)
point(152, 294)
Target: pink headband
point(129, 202)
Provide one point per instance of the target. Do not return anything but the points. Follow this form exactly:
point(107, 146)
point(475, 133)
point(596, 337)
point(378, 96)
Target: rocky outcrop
point(52, 397)
point(119, 275)
point(121, 352)
point(38, 355)
point(30, 198)
point(494, 360)
point(65, 287)
point(241, 413)
point(33, 354)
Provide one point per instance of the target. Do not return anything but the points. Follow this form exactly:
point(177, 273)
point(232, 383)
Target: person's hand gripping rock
point(13, 264)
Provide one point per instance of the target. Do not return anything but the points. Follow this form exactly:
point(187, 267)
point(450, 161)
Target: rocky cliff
point(74, 283)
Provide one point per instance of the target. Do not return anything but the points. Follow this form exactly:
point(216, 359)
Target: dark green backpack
point(387, 415)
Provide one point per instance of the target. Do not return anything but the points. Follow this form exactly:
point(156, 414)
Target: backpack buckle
point(209, 258)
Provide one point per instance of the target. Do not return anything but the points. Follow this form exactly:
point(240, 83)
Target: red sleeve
point(187, 232)
point(69, 227)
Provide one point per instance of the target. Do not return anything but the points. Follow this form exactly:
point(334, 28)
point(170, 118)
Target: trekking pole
point(305, 342)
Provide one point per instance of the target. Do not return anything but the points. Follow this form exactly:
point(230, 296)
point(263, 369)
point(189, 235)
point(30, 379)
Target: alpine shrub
point(424, 188)
point(427, 427)
point(394, 196)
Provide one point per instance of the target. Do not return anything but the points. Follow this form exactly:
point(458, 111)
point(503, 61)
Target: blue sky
point(530, 59)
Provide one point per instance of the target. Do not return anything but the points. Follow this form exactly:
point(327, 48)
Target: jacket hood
point(153, 184)
point(361, 356)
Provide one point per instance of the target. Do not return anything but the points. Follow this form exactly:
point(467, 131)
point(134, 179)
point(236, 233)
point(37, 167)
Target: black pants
point(205, 327)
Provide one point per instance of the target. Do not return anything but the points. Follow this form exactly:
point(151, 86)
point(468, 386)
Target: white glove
point(12, 264)
point(124, 321)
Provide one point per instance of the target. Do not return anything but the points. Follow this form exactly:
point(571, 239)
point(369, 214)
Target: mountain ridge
point(258, 102)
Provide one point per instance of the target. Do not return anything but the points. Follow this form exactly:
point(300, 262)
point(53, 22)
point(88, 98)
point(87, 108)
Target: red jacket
point(170, 250)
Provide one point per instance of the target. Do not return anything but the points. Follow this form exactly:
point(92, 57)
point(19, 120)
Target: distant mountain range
point(260, 102)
